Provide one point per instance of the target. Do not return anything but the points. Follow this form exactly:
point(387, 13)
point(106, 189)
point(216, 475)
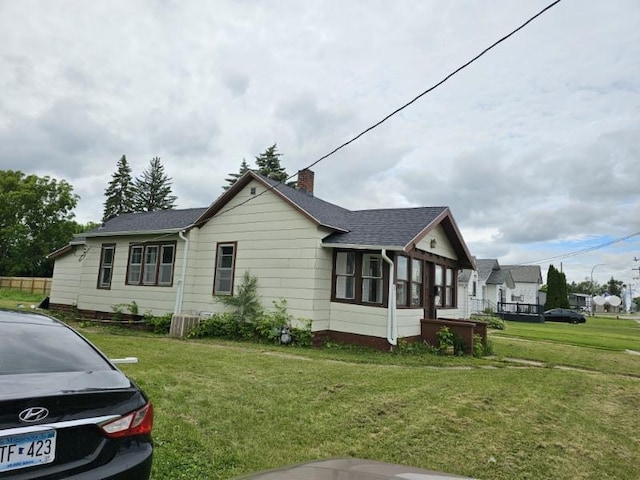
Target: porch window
point(371, 278)
point(444, 282)
point(345, 275)
point(107, 255)
point(402, 280)
point(448, 288)
point(225, 264)
point(416, 282)
point(151, 264)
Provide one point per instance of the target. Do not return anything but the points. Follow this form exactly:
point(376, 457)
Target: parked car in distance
point(349, 469)
point(563, 315)
point(66, 411)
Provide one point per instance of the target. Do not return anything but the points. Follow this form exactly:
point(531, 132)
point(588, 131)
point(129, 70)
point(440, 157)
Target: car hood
point(349, 469)
point(60, 383)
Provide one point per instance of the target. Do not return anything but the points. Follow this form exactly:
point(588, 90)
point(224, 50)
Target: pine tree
point(119, 192)
point(152, 190)
point(268, 164)
point(233, 177)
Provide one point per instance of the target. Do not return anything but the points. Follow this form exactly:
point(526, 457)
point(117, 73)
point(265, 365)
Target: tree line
point(36, 213)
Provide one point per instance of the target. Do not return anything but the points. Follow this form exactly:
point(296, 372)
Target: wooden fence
point(27, 284)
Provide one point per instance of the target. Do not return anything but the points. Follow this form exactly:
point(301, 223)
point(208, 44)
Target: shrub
point(445, 339)
point(492, 321)
point(161, 324)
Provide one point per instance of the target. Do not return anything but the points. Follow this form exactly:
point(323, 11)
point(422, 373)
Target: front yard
point(225, 408)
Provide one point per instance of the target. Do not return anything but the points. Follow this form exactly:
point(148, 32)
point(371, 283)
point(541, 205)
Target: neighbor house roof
point(491, 273)
point(525, 273)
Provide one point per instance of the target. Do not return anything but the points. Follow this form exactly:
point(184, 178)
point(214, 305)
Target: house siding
point(359, 319)
point(275, 243)
point(154, 299)
point(67, 271)
point(443, 247)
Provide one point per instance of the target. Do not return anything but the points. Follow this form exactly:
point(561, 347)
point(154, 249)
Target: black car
point(65, 410)
point(563, 315)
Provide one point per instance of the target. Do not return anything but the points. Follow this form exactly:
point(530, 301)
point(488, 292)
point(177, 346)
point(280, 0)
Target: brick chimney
point(305, 181)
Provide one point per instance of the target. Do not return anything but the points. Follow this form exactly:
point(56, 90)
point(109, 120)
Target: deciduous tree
point(36, 219)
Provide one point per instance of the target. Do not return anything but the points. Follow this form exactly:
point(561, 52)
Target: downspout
point(392, 325)
point(180, 291)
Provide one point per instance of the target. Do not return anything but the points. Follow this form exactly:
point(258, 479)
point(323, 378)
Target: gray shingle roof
point(394, 227)
point(169, 220)
point(325, 213)
point(525, 273)
point(485, 266)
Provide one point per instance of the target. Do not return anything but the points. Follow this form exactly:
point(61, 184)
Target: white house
point(365, 276)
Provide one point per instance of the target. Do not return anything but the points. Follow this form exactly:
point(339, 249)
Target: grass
point(11, 298)
point(228, 408)
point(607, 333)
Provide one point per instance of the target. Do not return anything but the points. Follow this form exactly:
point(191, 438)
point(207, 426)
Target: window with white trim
point(225, 263)
point(107, 256)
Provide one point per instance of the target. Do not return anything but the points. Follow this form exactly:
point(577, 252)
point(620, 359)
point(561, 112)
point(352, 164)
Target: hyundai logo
point(33, 414)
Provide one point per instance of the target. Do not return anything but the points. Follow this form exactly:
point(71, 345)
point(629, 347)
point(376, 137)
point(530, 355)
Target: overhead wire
point(584, 250)
point(398, 110)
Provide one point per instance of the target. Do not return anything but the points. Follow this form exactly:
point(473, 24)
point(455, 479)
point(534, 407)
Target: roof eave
point(356, 246)
point(128, 233)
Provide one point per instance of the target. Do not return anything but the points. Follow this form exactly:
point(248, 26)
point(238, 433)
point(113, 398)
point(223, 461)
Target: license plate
point(27, 450)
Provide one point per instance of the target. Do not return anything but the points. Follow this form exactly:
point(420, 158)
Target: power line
point(398, 110)
point(585, 250)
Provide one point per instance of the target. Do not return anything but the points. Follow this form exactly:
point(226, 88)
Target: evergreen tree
point(119, 192)
point(268, 164)
point(152, 190)
point(556, 289)
point(233, 177)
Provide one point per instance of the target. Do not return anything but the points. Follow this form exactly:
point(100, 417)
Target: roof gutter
point(392, 324)
point(180, 290)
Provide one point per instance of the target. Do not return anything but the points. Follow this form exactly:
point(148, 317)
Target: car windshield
point(35, 347)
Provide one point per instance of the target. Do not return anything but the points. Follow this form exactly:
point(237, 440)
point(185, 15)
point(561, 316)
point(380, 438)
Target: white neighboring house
point(484, 288)
point(528, 280)
point(365, 276)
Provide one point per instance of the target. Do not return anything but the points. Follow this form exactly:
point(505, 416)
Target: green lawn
point(225, 408)
point(599, 332)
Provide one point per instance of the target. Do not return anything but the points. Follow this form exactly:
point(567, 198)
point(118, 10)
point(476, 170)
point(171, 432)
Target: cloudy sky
point(535, 147)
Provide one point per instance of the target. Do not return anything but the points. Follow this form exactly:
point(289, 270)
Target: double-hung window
point(345, 275)
point(151, 264)
point(445, 287)
point(225, 264)
point(402, 280)
point(371, 278)
point(107, 256)
point(416, 282)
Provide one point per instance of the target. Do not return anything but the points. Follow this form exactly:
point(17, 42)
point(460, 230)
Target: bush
point(492, 321)
point(161, 324)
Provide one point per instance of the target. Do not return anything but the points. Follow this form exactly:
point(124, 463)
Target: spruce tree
point(119, 192)
point(152, 190)
point(233, 177)
point(268, 164)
